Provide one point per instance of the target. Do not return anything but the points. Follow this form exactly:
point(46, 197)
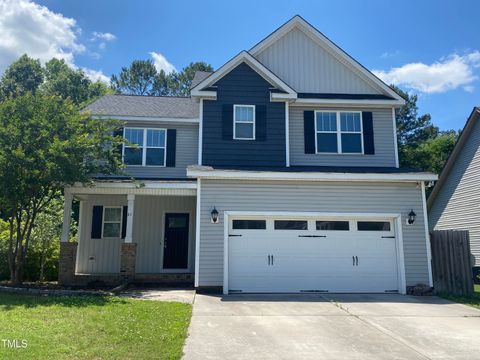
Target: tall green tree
point(421, 145)
point(22, 76)
point(137, 79)
point(142, 78)
point(45, 145)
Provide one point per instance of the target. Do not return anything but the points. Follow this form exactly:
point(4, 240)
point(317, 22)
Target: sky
point(430, 47)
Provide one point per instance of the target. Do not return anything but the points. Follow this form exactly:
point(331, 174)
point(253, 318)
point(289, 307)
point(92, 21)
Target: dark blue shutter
point(227, 121)
point(309, 131)
point(124, 222)
point(119, 132)
point(97, 217)
point(368, 138)
point(171, 147)
point(260, 122)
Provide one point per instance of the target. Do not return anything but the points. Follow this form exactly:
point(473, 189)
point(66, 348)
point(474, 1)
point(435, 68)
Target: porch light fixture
point(214, 215)
point(411, 217)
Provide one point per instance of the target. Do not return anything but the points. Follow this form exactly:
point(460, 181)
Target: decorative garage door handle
point(313, 236)
point(356, 258)
point(230, 235)
point(268, 260)
point(353, 260)
point(388, 237)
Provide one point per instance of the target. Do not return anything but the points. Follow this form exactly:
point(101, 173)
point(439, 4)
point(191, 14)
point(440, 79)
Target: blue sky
point(431, 48)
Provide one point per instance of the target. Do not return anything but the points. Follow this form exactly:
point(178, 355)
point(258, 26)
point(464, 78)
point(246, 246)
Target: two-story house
point(279, 174)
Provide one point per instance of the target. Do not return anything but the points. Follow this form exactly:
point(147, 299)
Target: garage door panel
point(312, 260)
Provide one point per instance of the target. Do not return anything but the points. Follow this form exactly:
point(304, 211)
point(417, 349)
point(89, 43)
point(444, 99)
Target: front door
point(175, 243)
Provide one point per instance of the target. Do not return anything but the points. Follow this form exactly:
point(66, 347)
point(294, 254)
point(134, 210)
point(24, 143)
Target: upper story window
point(146, 147)
point(339, 132)
point(244, 122)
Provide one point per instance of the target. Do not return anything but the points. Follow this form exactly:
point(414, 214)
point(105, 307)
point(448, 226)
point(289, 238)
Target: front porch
point(130, 231)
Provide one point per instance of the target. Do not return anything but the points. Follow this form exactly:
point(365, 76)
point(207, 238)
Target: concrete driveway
point(332, 327)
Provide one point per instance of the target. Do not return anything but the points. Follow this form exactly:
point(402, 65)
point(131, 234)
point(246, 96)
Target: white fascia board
point(327, 44)
point(210, 95)
point(148, 118)
point(308, 176)
point(346, 102)
point(282, 97)
point(230, 65)
point(141, 184)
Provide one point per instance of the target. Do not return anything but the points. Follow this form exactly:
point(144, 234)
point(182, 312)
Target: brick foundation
point(68, 258)
point(128, 257)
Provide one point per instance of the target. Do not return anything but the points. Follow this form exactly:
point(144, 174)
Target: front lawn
point(91, 327)
point(472, 301)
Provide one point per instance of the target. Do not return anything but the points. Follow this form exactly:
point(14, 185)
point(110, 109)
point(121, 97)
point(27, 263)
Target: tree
point(421, 145)
point(22, 76)
point(142, 78)
point(45, 145)
point(137, 79)
point(62, 80)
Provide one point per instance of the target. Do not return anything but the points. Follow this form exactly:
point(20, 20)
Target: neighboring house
point(279, 174)
point(455, 200)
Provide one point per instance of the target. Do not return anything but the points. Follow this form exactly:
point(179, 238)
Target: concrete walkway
point(184, 296)
point(332, 327)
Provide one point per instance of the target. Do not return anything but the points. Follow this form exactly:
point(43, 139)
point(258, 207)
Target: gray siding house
point(279, 173)
point(455, 199)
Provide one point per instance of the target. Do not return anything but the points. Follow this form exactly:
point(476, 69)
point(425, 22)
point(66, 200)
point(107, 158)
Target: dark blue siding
point(243, 86)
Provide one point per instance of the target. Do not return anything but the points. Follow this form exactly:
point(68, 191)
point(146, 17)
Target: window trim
point(144, 147)
point(235, 121)
point(339, 132)
point(112, 222)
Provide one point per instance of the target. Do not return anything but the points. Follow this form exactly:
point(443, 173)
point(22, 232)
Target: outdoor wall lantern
point(411, 217)
point(214, 215)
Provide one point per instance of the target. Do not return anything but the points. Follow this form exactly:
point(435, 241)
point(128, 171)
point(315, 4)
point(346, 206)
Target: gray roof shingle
point(199, 77)
point(146, 106)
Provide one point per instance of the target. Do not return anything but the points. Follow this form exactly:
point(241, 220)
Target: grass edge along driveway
point(470, 300)
point(92, 327)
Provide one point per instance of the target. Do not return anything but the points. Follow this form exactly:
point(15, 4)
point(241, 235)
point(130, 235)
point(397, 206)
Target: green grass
point(471, 301)
point(92, 327)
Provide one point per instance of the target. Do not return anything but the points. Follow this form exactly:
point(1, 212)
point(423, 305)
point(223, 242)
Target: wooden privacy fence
point(451, 262)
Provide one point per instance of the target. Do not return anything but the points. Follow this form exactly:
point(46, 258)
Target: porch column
point(67, 216)
point(128, 252)
point(68, 250)
point(130, 209)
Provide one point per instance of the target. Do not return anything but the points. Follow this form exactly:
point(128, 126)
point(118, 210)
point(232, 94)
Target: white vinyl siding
point(233, 195)
point(307, 67)
point(383, 140)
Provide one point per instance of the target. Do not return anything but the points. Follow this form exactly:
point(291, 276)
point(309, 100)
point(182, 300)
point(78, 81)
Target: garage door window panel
point(249, 224)
point(373, 226)
point(291, 225)
point(327, 225)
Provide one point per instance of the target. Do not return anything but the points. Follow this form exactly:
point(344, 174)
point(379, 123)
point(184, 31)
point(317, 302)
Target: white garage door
point(274, 254)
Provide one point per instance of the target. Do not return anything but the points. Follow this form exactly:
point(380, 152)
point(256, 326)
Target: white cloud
point(448, 73)
point(388, 54)
point(96, 75)
point(161, 63)
point(103, 36)
point(26, 27)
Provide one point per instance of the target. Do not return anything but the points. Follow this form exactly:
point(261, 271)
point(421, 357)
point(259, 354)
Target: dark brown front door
point(175, 243)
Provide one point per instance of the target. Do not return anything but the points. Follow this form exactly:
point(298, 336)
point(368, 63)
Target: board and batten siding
point(307, 67)
point(309, 197)
point(457, 204)
point(102, 256)
point(243, 86)
point(384, 142)
point(186, 151)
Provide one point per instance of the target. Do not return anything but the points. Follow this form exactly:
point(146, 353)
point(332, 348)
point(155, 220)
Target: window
point(339, 132)
point(112, 222)
point(146, 147)
point(244, 122)
point(351, 132)
point(249, 224)
point(291, 225)
point(373, 225)
point(333, 225)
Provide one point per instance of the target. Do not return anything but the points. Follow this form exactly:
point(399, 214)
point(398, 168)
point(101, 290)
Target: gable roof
point(461, 141)
point(297, 22)
point(243, 57)
point(144, 106)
